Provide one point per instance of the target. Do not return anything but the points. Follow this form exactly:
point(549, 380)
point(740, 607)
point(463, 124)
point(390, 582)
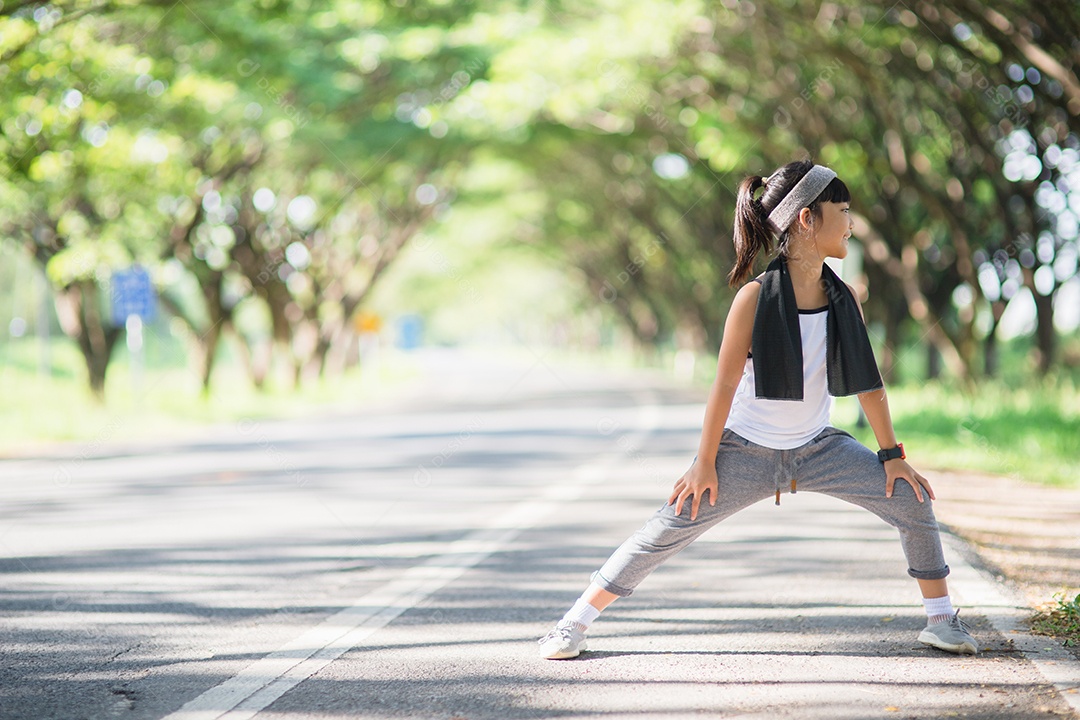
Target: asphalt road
point(400, 562)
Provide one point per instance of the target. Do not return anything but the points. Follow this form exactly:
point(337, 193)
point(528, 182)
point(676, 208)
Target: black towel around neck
point(776, 346)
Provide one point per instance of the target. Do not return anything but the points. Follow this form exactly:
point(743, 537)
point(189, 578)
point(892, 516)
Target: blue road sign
point(410, 331)
point(132, 294)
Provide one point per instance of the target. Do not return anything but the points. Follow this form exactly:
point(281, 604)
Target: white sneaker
point(951, 635)
point(566, 640)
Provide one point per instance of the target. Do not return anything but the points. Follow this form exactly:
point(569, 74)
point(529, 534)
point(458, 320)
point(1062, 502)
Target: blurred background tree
point(532, 172)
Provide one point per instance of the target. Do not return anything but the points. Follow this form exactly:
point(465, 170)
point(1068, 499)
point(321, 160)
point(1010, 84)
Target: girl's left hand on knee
point(898, 468)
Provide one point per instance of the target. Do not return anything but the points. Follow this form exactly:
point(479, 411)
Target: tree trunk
point(933, 362)
point(894, 316)
point(337, 360)
point(97, 363)
point(209, 345)
point(990, 344)
point(203, 342)
point(80, 318)
point(1045, 335)
point(332, 348)
point(256, 358)
point(298, 373)
point(990, 354)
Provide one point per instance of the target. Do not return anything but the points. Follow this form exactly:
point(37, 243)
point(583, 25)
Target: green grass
point(1031, 433)
point(1062, 620)
point(40, 410)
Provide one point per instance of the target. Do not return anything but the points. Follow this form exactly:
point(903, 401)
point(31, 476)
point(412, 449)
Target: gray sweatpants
point(833, 463)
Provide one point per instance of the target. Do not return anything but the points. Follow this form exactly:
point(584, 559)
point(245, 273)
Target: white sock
point(582, 613)
point(938, 609)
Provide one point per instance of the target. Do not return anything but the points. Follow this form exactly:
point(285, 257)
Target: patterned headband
point(804, 192)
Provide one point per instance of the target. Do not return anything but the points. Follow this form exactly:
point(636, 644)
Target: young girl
point(794, 337)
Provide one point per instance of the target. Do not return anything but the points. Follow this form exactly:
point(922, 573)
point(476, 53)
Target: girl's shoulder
point(752, 287)
point(857, 299)
point(746, 297)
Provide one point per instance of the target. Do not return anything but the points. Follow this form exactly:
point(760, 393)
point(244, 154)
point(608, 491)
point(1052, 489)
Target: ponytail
point(752, 233)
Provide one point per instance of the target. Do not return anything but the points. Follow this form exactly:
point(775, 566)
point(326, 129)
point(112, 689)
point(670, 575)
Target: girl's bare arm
point(875, 405)
point(738, 330)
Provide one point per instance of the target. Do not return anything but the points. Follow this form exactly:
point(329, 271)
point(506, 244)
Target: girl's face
point(834, 230)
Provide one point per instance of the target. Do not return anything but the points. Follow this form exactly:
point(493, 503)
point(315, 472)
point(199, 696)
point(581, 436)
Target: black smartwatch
point(892, 453)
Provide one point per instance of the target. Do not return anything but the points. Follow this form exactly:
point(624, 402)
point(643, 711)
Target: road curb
point(979, 593)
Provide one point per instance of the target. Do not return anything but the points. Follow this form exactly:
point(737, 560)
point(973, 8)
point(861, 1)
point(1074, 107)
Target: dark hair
point(753, 231)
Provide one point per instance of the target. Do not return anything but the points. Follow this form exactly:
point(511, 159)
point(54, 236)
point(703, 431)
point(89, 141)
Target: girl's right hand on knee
point(699, 479)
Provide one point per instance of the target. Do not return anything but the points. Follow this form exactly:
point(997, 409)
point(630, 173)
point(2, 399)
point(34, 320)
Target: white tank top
point(787, 424)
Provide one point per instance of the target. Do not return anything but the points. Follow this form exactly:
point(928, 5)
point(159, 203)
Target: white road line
point(1007, 614)
point(267, 679)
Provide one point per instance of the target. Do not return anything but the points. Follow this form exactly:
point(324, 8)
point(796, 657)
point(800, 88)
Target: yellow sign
point(366, 322)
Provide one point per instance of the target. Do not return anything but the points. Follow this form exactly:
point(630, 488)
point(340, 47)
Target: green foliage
point(142, 131)
point(1062, 620)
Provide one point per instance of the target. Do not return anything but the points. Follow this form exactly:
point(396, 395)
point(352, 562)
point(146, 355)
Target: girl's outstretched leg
point(598, 597)
point(944, 628)
point(836, 464)
point(567, 639)
point(745, 473)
